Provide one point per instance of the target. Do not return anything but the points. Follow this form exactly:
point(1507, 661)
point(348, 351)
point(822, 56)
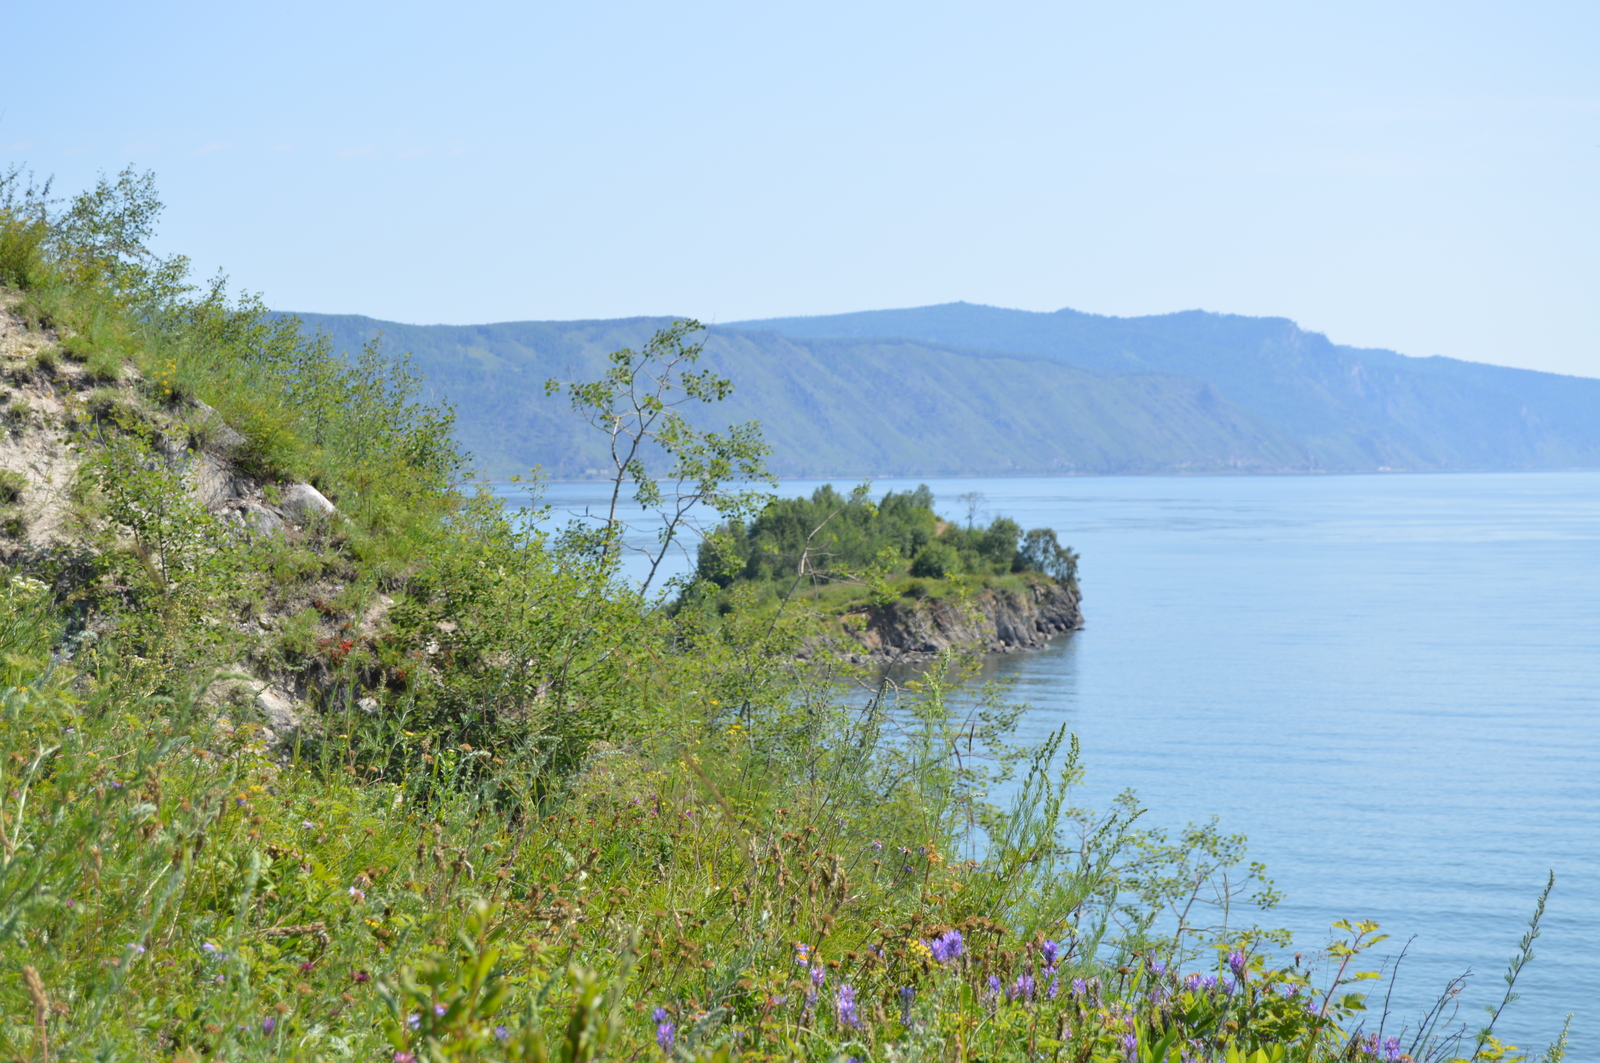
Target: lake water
point(1390, 683)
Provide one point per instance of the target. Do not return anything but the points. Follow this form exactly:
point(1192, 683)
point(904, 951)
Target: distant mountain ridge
point(1352, 408)
point(961, 389)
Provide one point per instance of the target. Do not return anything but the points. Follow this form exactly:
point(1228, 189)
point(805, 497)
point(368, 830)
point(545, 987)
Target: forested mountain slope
point(840, 407)
point(964, 389)
point(1352, 408)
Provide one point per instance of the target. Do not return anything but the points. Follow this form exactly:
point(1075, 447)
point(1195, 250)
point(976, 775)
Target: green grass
point(532, 816)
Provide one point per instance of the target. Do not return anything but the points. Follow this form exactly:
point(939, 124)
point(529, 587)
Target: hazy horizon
point(1413, 177)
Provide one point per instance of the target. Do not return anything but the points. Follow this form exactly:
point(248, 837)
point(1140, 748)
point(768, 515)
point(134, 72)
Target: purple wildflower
point(1021, 989)
point(1049, 949)
point(818, 976)
point(439, 1010)
point(1130, 1045)
point(666, 1029)
point(1079, 988)
point(877, 846)
point(1237, 962)
point(908, 996)
point(414, 1021)
point(1052, 985)
point(1158, 968)
point(268, 1024)
point(404, 1057)
point(947, 946)
point(844, 1002)
point(501, 1033)
point(1191, 982)
point(1226, 985)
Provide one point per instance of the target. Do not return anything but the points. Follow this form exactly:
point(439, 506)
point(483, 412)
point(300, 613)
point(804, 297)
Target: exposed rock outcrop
point(995, 620)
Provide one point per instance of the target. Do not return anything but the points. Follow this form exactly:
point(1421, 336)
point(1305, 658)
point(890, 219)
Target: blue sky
point(1414, 176)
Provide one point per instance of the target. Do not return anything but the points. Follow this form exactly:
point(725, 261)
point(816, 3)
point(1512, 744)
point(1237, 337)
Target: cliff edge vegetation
point(310, 750)
point(889, 580)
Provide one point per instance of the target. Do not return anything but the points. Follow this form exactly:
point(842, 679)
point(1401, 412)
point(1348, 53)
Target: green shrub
point(11, 487)
point(937, 560)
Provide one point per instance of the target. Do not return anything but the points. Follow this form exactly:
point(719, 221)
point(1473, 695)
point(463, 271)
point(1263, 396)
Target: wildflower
point(1053, 985)
point(818, 976)
point(439, 1010)
point(844, 1002)
point(268, 1024)
point(1079, 988)
point(362, 976)
point(306, 967)
point(666, 1029)
point(404, 1057)
point(877, 846)
point(1158, 968)
point(947, 946)
point(359, 896)
point(135, 947)
point(1130, 1045)
point(1237, 962)
point(1226, 985)
point(501, 1033)
point(1021, 989)
point(802, 954)
point(1049, 949)
point(307, 824)
point(414, 1021)
point(908, 996)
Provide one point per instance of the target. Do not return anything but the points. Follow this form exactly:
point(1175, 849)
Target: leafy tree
point(1042, 552)
point(638, 404)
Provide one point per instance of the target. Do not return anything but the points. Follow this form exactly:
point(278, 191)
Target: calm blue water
point(1390, 683)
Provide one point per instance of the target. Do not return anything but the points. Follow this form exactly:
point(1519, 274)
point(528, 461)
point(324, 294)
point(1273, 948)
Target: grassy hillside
point(307, 752)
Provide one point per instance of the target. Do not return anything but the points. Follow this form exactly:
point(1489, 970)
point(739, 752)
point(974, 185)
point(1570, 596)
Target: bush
point(935, 561)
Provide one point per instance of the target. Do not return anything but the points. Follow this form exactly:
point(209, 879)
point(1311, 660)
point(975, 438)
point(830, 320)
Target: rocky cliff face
point(993, 620)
